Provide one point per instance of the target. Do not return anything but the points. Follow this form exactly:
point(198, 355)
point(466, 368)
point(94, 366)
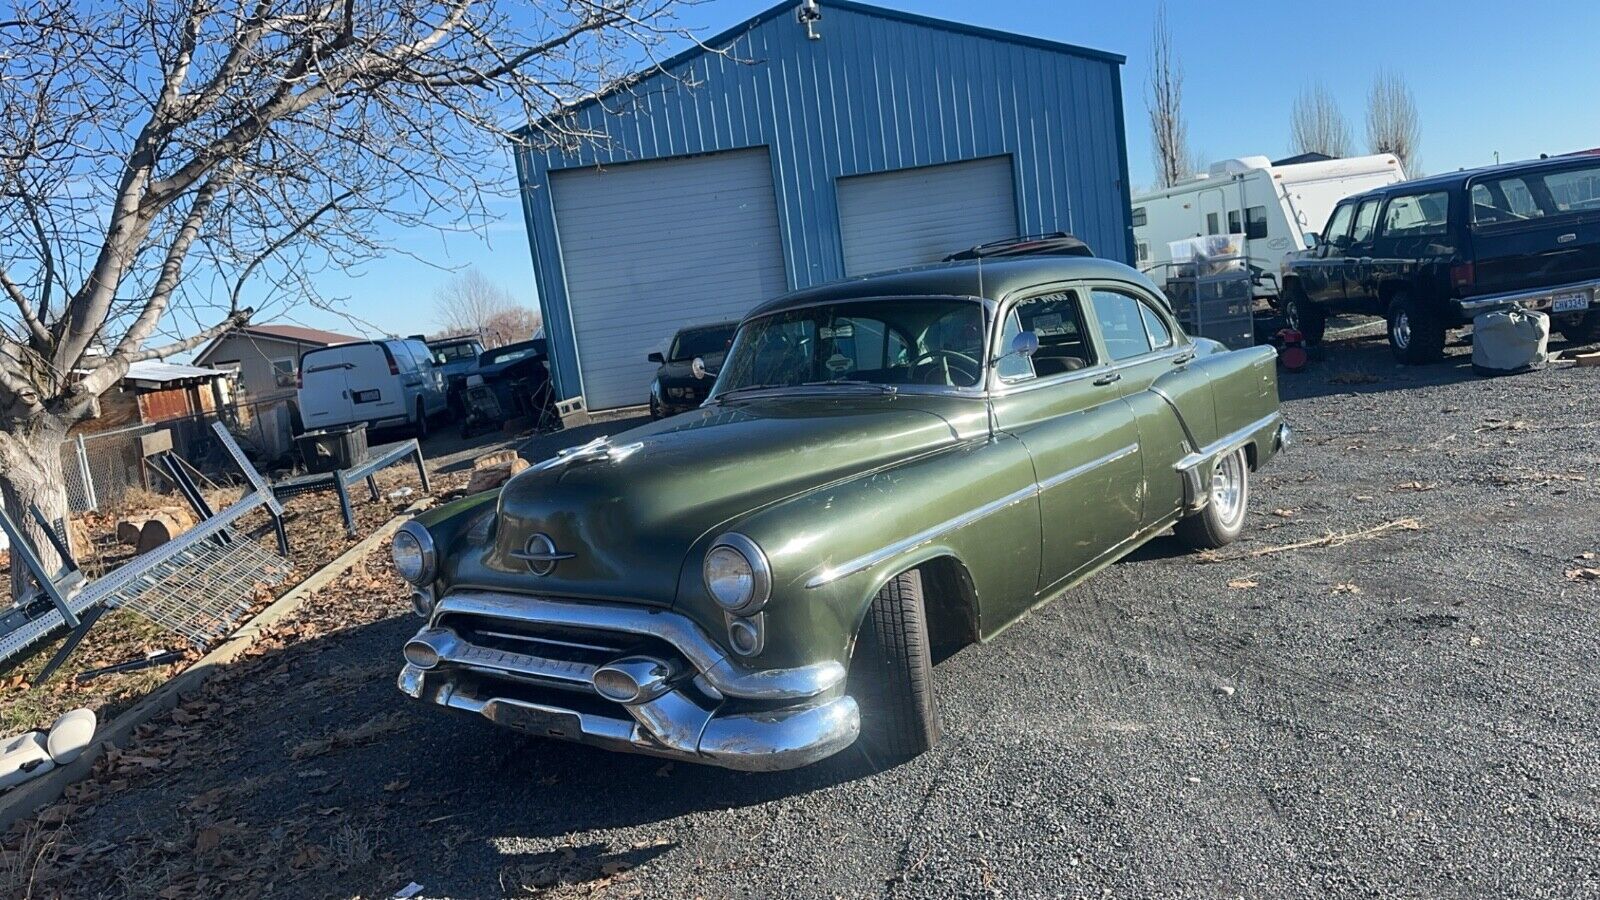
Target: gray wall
point(254, 355)
point(880, 91)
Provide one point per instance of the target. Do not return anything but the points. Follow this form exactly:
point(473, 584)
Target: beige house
point(265, 357)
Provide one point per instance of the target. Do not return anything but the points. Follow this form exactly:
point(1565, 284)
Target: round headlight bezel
point(760, 573)
point(426, 552)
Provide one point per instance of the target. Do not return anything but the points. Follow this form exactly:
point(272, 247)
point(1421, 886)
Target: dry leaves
point(1244, 584)
point(1331, 539)
point(1346, 588)
point(1416, 486)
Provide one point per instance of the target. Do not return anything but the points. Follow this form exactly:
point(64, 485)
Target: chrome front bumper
point(1539, 298)
point(795, 716)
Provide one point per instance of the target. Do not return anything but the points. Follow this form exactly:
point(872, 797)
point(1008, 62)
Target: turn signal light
point(1462, 276)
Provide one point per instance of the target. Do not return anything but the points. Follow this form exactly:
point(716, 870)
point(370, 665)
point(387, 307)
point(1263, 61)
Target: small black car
point(677, 386)
point(1431, 254)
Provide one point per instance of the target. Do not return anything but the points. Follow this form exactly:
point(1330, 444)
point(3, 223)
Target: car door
point(1157, 374)
point(374, 380)
point(324, 390)
point(1064, 404)
point(1323, 278)
point(1360, 274)
point(431, 386)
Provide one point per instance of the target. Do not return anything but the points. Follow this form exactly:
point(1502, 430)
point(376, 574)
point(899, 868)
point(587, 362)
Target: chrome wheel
point(1228, 489)
point(1400, 331)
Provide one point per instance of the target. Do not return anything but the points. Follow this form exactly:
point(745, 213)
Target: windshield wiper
point(850, 382)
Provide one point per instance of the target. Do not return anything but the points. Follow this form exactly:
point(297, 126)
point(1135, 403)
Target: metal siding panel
point(652, 246)
point(920, 215)
point(894, 93)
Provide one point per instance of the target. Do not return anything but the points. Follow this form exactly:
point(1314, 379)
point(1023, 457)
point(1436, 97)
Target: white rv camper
point(1270, 207)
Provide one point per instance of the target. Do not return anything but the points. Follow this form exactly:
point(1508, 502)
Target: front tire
point(1222, 520)
point(1304, 316)
point(1416, 333)
point(891, 674)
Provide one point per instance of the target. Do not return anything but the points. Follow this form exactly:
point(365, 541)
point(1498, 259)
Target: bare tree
point(516, 323)
point(1317, 125)
point(163, 160)
point(1392, 123)
point(472, 304)
point(1169, 131)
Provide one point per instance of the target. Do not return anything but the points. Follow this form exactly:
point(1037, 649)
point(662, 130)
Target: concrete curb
point(27, 798)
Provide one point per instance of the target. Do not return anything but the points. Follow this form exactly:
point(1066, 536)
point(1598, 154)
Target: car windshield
point(507, 354)
point(1536, 195)
point(914, 341)
point(448, 353)
point(700, 342)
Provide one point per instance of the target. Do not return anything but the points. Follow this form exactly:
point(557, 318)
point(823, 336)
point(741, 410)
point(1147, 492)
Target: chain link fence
point(102, 467)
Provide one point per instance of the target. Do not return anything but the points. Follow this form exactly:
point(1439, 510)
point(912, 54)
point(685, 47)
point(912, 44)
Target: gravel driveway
point(1407, 714)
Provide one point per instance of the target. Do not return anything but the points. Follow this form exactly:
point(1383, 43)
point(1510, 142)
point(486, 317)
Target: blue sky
point(1488, 76)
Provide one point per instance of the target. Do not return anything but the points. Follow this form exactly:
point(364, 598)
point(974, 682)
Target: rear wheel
point(1304, 316)
point(1222, 519)
point(1584, 329)
point(1416, 333)
point(422, 421)
point(891, 674)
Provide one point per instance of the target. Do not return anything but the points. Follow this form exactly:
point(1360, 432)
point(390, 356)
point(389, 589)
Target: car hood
point(683, 370)
point(629, 511)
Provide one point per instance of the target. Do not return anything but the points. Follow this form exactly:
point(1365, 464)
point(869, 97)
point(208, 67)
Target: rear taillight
point(394, 367)
point(1462, 276)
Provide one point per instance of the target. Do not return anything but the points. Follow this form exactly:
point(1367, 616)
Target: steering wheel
point(943, 359)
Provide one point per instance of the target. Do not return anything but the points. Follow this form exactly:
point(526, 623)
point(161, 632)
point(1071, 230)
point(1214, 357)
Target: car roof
point(707, 326)
point(990, 279)
point(1462, 176)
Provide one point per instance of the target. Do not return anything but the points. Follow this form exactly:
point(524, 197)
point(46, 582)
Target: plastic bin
point(332, 449)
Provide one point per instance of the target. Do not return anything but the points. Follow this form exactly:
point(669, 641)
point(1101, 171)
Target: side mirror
point(1311, 239)
point(656, 358)
point(698, 368)
point(1026, 343)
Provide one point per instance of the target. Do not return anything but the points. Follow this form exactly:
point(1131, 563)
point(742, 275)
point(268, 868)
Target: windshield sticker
point(1048, 324)
point(837, 332)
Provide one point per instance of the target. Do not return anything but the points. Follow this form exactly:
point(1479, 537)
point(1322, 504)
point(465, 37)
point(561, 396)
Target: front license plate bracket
point(536, 720)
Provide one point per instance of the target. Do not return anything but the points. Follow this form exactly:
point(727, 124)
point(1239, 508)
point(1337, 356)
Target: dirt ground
point(1386, 689)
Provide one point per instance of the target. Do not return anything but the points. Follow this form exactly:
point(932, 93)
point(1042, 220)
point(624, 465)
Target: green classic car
point(886, 464)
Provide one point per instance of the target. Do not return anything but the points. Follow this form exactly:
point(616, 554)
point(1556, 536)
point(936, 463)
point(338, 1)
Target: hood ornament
point(541, 555)
point(596, 450)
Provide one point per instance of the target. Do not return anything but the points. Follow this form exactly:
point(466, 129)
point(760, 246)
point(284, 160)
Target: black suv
point(1430, 254)
point(679, 384)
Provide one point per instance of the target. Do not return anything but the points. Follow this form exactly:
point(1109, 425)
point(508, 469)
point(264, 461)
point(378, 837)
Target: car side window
point(1121, 323)
point(1338, 231)
point(1366, 220)
point(1057, 321)
point(1418, 215)
point(1160, 335)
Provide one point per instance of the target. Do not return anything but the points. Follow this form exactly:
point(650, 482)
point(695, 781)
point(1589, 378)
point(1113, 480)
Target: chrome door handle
point(1183, 359)
point(1110, 378)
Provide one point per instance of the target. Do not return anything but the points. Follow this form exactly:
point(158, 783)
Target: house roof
point(298, 334)
point(161, 372)
point(787, 8)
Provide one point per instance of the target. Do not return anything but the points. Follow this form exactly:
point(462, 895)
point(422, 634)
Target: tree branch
point(37, 333)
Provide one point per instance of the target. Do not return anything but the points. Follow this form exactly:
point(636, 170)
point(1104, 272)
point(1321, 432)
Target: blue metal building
point(791, 154)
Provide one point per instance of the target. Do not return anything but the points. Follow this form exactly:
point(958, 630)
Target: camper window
point(1235, 224)
point(1213, 224)
point(1255, 223)
point(1139, 217)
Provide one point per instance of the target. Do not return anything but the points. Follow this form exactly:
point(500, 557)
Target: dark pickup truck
point(1430, 254)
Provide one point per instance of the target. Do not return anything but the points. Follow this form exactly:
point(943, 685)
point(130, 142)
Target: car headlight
point(737, 575)
point(415, 557)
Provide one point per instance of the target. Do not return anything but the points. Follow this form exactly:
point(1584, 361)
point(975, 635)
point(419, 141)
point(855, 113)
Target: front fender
point(833, 549)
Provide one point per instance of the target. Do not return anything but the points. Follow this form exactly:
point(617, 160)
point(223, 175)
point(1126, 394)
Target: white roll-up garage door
point(649, 247)
point(889, 220)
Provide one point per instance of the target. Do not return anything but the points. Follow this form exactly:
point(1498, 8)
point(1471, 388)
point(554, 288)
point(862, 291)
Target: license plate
point(1575, 302)
point(536, 721)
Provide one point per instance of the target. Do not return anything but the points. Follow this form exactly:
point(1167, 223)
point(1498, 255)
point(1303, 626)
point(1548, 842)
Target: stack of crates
point(1219, 306)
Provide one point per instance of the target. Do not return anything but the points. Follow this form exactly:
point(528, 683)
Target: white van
point(1269, 207)
point(381, 383)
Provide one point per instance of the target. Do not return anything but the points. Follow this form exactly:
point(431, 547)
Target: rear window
point(1536, 195)
point(1417, 215)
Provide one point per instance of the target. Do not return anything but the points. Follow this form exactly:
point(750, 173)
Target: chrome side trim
point(727, 675)
point(1087, 467)
point(1233, 440)
point(1534, 299)
point(868, 560)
